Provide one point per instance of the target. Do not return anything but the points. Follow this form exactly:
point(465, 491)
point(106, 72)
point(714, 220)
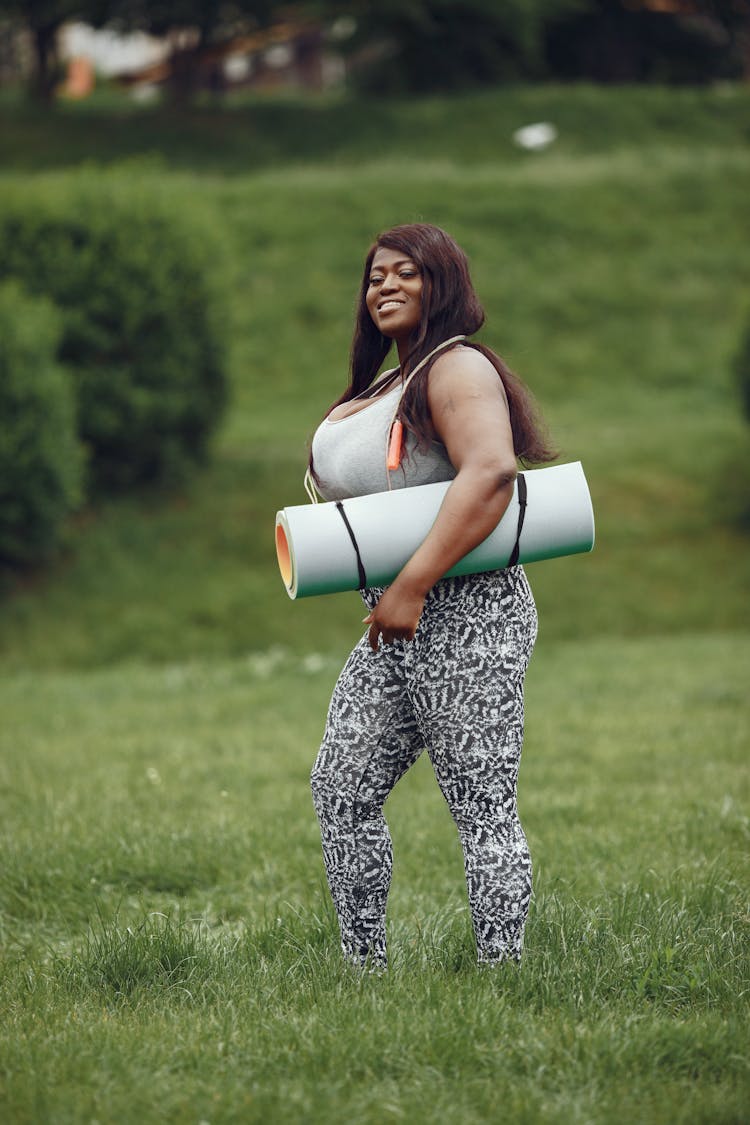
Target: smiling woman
point(443, 661)
point(394, 297)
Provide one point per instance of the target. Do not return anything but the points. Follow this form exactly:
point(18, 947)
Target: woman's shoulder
point(463, 373)
point(463, 359)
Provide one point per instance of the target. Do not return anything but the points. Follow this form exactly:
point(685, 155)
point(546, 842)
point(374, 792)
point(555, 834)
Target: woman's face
point(394, 293)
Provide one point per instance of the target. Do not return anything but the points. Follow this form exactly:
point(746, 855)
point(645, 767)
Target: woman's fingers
point(373, 632)
point(378, 632)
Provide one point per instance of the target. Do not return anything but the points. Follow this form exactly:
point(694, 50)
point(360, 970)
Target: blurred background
point(187, 191)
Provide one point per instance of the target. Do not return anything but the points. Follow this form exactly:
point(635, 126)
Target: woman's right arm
point(470, 416)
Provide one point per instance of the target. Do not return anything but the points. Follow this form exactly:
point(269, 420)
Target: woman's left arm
point(470, 416)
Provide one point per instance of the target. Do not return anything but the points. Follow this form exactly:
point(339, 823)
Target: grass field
point(168, 950)
point(170, 953)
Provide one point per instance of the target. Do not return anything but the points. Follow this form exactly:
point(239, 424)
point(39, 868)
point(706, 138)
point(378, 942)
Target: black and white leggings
point(456, 689)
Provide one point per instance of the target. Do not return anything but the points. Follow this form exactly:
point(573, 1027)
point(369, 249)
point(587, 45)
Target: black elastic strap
point(355, 545)
point(521, 483)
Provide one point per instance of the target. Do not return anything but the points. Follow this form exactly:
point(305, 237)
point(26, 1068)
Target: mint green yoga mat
point(324, 548)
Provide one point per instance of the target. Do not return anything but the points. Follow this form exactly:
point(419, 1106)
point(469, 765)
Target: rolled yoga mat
point(330, 547)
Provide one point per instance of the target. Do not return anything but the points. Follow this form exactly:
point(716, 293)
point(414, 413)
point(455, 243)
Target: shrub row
point(40, 455)
point(742, 369)
point(132, 313)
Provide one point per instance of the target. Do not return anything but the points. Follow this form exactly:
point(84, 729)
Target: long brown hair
point(450, 307)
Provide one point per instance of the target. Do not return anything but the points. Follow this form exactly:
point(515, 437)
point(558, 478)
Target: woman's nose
point(390, 282)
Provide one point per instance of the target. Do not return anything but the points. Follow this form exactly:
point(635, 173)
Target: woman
point(443, 660)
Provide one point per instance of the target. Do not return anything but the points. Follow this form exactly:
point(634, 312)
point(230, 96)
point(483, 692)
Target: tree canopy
point(428, 45)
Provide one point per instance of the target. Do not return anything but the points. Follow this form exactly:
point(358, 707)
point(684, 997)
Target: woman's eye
point(375, 280)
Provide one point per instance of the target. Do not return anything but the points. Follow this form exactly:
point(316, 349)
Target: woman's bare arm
point(470, 416)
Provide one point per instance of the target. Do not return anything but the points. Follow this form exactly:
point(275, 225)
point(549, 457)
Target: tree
point(733, 17)
point(193, 28)
point(191, 25)
point(424, 45)
point(648, 40)
point(44, 18)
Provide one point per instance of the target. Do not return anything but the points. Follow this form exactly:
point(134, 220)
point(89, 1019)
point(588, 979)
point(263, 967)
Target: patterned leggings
point(456, 689)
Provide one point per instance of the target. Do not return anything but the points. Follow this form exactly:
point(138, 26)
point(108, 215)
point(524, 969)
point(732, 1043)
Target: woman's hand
point(469, 415)
point(396, 616)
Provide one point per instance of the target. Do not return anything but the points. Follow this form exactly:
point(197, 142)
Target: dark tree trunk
point(186, 70)
point(182, 82)
point(46, 71)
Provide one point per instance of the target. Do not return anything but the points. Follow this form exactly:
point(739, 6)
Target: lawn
point(170, 953)
point(168, 949)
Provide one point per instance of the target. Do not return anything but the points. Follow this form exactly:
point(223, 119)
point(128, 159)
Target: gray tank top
point(349, 454)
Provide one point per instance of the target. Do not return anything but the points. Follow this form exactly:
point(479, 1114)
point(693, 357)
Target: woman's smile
point(394, 294)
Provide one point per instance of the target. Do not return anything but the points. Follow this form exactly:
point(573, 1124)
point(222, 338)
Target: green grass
point(248, 133)
point(171, 954)
point(168, 947)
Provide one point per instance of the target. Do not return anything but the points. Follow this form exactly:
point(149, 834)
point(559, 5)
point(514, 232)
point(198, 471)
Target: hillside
point(614, 274)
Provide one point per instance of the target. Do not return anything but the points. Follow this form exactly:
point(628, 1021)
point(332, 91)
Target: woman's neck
point(403, 348)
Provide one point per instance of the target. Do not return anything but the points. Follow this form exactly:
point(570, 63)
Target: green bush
point(734, 503)
point(742, 369)
point(40, 457)
point(142, 333)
